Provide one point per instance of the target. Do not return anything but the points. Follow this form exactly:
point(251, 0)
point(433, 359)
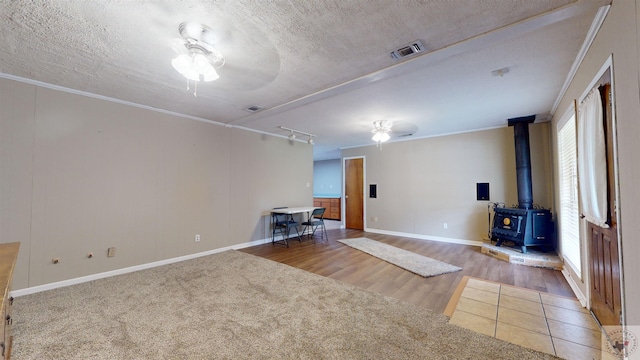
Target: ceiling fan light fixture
point(381, 130)
point(380, 137)
point(194, 68)
point(201, 59)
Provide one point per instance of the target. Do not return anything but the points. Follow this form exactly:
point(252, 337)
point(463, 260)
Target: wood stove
point(523, 225)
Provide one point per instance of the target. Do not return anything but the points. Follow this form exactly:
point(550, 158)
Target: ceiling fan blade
point(403, 129)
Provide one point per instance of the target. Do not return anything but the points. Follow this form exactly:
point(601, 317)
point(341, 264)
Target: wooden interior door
point(605, 275)
point(353, 188)
point(604, 261)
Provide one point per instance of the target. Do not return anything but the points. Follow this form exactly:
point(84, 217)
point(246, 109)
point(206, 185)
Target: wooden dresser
point(8, 256)
point(331, 204)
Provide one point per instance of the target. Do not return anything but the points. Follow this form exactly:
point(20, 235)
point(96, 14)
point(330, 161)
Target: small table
point(289, 211)
point(294, 210)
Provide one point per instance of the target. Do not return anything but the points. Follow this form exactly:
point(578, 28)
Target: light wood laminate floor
point(509, 310)
point(337, 261)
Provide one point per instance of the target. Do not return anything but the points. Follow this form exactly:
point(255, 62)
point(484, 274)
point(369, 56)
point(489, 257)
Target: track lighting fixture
point(293, 132)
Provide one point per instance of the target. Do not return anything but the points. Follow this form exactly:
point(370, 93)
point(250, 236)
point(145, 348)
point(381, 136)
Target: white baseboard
point(83, 279)
point(574, 287)
point(426, 237)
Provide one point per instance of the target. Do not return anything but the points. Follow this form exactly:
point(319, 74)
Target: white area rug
point(418, 264)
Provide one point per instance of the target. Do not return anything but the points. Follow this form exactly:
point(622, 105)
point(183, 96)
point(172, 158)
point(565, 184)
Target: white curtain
point(592, 160)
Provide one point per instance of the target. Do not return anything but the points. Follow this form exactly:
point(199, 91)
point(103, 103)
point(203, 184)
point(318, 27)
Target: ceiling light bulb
point(292, 137)
point(181, 63)
point(195, 67)
point(380, 136)
point(211, 75)
point(310, 141)
point(201, 64)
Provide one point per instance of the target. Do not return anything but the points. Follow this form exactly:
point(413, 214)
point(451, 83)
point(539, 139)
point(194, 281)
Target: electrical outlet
point(198, 238)
point(445, 226)
point(111, 252)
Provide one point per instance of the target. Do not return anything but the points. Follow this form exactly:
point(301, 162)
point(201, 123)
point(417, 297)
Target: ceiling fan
point(249, 58)
point(384, 130)
point(403, 129)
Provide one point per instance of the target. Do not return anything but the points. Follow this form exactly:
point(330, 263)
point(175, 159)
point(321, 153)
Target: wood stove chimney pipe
point(523, 160)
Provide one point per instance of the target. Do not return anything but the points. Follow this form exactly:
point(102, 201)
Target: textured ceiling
point(317, 66)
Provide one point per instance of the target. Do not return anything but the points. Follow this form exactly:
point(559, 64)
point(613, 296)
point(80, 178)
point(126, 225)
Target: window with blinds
point(569, 218)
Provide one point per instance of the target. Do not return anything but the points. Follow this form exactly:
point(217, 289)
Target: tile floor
point(544, 322)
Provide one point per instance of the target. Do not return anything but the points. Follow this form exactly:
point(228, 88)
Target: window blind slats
point(569, 210)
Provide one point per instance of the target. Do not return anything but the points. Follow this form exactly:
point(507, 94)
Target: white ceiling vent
point(408, 50)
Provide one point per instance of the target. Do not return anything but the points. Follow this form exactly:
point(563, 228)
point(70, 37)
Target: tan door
point(353, 199)
point(604, 263)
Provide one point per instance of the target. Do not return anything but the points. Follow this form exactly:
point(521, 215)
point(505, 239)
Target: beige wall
point(79, 175)
point(425, 183)
point(618, 36)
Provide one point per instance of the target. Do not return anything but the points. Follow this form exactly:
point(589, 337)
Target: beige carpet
point(416, 263)
point(234, 305)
